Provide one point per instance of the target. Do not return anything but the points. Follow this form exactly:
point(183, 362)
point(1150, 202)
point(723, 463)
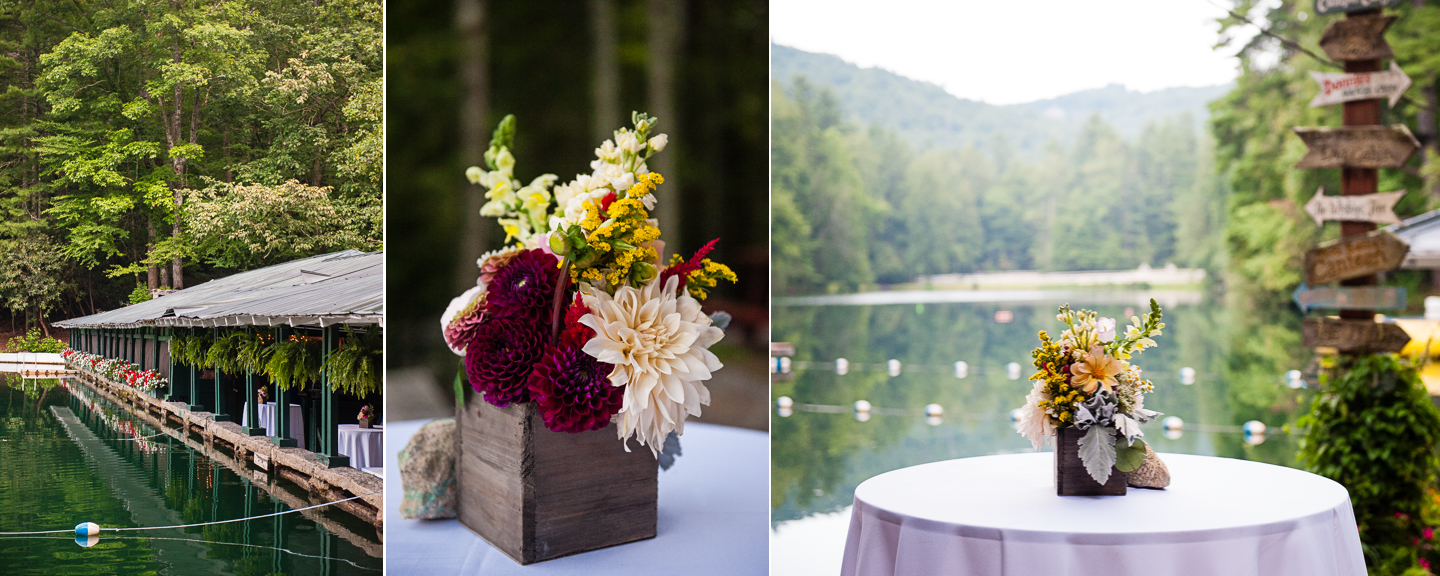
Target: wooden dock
point(255, 457)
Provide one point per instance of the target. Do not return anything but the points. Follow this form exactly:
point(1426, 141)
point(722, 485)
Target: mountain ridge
point(926, 116)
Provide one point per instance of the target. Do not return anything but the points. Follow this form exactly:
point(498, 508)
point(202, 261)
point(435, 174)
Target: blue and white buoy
point(87, 529)
point(87, 541)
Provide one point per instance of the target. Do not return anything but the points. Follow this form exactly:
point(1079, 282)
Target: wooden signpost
point(1354, 257)
point(1354, 336)
point(1357, 146)
point(1333, 6)
point(1357, 38)
point(1358, 149)
point(1357, 298)
point(1378, 208)
point(1336, 88)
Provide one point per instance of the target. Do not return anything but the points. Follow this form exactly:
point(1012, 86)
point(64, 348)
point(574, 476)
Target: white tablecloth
point(713, 518)
point(267, 420)
point(1000, 515)
point(362, 445)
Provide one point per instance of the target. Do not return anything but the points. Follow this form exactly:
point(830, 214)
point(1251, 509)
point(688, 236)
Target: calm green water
point(821, 452)
point(57, 470)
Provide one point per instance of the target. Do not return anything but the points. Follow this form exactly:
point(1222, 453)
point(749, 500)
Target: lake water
point(70, 456)
point(821, 451)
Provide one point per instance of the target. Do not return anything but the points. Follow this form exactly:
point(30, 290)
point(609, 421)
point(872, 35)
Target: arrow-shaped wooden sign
point(1357, 146)
point(1333, 6)
point(1339, 87)
point(1353, 257)
point(1353, 336)
point(1349, 298)
point(1361, 38)
point(1378, 208)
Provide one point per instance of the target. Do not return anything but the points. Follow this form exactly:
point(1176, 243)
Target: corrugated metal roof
point(339, 288)
point(1422, 233)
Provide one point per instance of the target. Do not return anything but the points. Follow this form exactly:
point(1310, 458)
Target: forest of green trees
point(856, 205)
point(157, 144)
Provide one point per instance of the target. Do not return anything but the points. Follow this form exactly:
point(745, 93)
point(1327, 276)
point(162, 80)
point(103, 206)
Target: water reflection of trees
point(1240, 353)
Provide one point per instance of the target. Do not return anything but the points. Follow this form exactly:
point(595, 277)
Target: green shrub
point(34, 341)
point(1374, 430)
point(139, 294)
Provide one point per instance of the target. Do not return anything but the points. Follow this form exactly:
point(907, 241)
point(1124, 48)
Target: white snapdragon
point(657, 144)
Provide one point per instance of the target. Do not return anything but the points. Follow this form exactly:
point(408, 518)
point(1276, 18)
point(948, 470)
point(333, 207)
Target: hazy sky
point(1009, 51)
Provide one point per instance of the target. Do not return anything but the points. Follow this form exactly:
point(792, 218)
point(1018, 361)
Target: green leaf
point(1128, 458)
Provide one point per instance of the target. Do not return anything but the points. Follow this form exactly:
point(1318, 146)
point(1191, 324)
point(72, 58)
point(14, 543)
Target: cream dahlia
point(659, 343)
point(1034, 422)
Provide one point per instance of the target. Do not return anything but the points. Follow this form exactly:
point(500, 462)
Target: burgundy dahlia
point(524, 287)
point(501, 356)
point(572, 390)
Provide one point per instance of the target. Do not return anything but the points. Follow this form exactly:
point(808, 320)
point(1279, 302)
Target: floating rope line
point(72, 530)
point(285, 550)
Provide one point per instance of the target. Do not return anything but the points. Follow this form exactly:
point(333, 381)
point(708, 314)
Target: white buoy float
point(784, 364)
point(842, 366)
point(87, 541)
point(962, 369)
point(862, 410)
point(1015, 416)
point(87, 529)
point(1013, 370)
point(934, 410)
point(1187, 375)
point(1294, 379)
point(785, 402)
point(1254, 432)
point(1174, 427)
point(892, 366)
point(934, 420)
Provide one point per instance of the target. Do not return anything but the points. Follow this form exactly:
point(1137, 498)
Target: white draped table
point(364, 446)
point(713, 518)
point(267, 420)
point(997, 515)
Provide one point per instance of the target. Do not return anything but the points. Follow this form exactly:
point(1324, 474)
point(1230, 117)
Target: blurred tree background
point(572, 72)
point(142, 143)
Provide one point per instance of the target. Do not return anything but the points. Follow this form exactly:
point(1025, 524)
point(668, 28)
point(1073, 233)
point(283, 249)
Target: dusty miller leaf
point(670, 451)
point(1097, 452)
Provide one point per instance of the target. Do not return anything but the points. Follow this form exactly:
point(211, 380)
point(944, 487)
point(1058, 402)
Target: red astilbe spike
point(684, 269)
point(575, 332)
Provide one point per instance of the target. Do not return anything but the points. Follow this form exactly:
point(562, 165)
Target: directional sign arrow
point(1333, 6)
point(1349, 298)
point(1353, 336)
point(1378, 208)
point(1357, 146)
point(1339, 87)
point(1354, 257)
point(1357, 38)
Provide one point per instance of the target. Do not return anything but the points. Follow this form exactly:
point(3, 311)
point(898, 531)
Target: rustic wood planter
point(1071, 478)
point(536, 495)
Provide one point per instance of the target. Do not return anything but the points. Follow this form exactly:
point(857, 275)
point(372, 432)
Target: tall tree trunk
point(606, 114)
point(666, 18)
point(470, 20)
point(173, 137)
point(152, 271)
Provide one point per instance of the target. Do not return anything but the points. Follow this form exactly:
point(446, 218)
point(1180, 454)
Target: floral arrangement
point(116, 370)
point(1085, 380)
point(577, 313)
point(365, 412)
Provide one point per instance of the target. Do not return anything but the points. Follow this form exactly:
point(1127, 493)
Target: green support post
point(252, 408)
point(219, 414)
point(282, 406)
point(170, 396)
point(155, 364)
point(329, 441)
point(194, 383)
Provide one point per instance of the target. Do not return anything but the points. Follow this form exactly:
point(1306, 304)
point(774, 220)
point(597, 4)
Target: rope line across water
point(72, 530)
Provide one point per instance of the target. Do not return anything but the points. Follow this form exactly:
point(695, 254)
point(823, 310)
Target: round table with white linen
point(363, 445)
point(713, 518)
point(266, 412)
point(1000, 515)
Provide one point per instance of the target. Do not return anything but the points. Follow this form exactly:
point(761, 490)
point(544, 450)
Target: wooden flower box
point(1071, 478)
point(536, 495)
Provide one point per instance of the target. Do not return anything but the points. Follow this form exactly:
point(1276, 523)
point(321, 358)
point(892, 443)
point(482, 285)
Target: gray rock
point(427, 472)
point(1152, 472)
